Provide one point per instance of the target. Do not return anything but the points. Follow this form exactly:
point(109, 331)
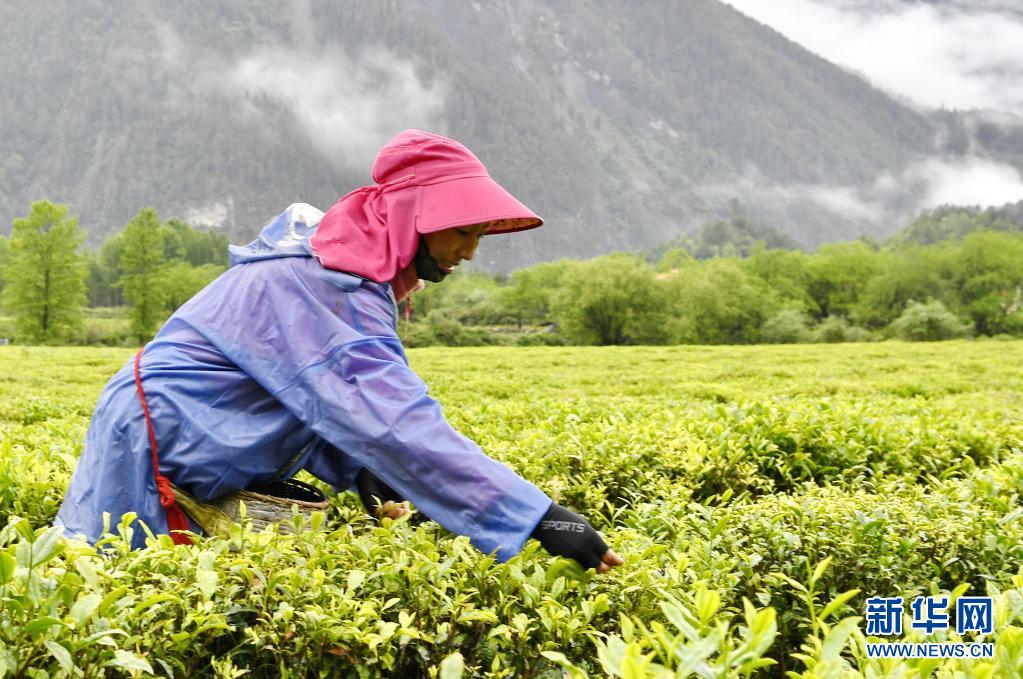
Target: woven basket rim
point(250, 495)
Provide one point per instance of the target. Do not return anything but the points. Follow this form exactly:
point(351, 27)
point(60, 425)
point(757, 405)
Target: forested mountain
point(623, 124)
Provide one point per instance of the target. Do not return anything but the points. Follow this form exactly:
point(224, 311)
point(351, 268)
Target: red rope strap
point(176, 519)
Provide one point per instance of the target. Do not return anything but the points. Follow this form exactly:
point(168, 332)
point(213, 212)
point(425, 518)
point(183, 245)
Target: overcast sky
point(962, 54)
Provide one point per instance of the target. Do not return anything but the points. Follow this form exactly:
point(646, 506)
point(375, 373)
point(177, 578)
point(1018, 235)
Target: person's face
point(451, 246)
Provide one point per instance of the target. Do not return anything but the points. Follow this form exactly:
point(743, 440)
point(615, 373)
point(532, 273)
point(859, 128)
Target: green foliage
point(954, 222)
point(45, 276)
point(610, 300)
point(927, 323)
point(838, 329)
point(718, 303)
point(839, 274)
point(540, 339)
point(191, 258)
point(196, 247)
point(450, 332)
point(142, 280)
point(180, 281)
point(675, 258)
point(787, 274)
point(735, 237)
point(758, 494)
point(468, 298)
point(990, 281)
point(852, 290)
point(788, 326)
point(5, 258)
point(911, 273)
point(528, 299)
point(104, 273)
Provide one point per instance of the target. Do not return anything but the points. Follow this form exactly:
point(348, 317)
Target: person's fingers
point(610, 558)
point(603, 568)
point(393, 510)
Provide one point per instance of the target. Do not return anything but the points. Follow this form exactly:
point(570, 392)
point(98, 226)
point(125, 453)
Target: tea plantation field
point(758, 494)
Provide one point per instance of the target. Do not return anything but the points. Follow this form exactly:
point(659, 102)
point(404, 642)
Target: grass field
point(759, 495)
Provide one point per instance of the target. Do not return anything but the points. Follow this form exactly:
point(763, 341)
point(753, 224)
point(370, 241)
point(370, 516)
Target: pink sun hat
point(424, 183)
point(455, 188)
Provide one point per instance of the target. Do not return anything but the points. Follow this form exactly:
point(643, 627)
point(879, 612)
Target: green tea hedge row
point(758, 494)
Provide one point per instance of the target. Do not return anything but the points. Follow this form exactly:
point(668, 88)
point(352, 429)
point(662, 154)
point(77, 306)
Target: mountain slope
point(621, 124)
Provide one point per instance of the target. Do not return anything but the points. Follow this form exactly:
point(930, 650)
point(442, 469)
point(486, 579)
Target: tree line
point(955, 272)
point(149, 267)
point(968, 285)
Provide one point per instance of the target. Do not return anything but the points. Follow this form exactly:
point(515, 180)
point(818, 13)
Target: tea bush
point(758, 494)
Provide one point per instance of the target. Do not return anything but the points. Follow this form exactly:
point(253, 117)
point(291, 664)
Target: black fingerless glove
point(562, 532)
point(374, 492)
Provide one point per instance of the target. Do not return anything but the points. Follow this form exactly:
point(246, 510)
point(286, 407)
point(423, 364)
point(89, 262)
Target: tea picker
point(291, 361)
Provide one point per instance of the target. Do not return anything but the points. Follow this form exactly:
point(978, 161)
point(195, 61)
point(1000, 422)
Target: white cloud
point(956, 54)
point(969, 180)
point(348, 106)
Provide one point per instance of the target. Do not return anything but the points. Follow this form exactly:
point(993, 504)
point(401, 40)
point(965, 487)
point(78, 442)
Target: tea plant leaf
point(41, 624)
point(452, 667)
point(84, 607)
point(568, 668)
point(7, 567)
point(836, 639)
point(127, 660)
point(837, 603)
point(60, 654)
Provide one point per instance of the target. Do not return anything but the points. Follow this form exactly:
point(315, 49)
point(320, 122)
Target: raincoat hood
point(423, 183)
point(286, 236)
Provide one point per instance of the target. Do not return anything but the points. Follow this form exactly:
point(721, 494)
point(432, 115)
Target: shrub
point(416, 334)
point(788, 326)
point(610, 300)
point(540, 339)
point(837, 329)
point(927, 323)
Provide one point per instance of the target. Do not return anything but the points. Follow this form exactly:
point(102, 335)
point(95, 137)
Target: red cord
point(176, 519)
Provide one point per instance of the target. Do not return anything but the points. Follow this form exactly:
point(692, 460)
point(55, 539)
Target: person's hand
point(380, 499)
point(562, 532)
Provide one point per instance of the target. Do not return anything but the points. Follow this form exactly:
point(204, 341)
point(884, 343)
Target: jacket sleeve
point(332, 358)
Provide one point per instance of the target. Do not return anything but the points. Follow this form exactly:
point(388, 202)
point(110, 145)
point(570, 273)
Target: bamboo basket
point(266, 505)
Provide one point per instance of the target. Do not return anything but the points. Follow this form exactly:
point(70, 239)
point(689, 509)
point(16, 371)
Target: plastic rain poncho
point(282, 365)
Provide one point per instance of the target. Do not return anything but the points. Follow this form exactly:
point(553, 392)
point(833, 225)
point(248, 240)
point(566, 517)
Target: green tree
point(927, 323)
point(717, 302)
point(788, 326)
point(197, 247)
point(469, 298)
point(787, 273)
point(838, 275)
point(5, 257)
point(45, 274)
point(105, 272)
point(834, 329)
point(610, 300)
point(142, 280)
point(989, 278)
point(735, 237)
point(528, 298)
point(675, 258)
point(180, 281)
point(910, 273)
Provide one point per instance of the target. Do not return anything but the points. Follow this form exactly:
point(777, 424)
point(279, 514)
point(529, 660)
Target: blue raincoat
point(281, 364)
